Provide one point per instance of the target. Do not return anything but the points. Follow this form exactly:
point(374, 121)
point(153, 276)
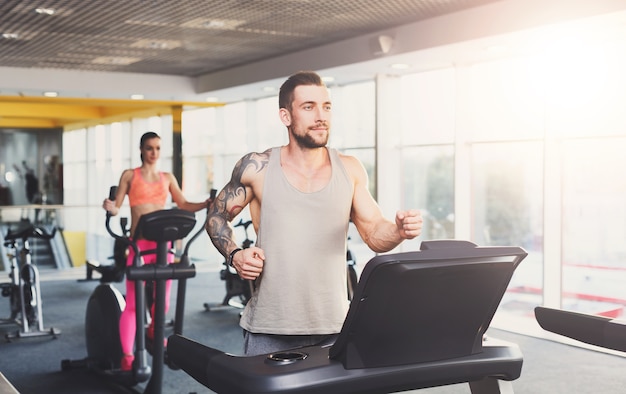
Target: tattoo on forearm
point(233, 194)
point(220, 233)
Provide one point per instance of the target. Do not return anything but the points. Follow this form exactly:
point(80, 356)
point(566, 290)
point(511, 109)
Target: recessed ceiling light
point(269, 89)
point(45, 11)
point(157, 44)
point(214, 23)
point(328, 79)
point(50, 94)
point(115, 60)
point(400, 66)
point(136, 96)
point(10, 36)
point(211, 99)
point(218, 24)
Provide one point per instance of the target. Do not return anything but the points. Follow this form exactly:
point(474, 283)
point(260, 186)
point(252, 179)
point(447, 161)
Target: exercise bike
point(106, 303)
point(24, 290)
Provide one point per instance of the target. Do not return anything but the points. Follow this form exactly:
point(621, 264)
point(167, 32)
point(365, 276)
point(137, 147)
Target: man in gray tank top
point(301, 198)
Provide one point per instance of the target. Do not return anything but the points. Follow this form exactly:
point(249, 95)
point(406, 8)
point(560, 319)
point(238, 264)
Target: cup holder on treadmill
point(284, 358)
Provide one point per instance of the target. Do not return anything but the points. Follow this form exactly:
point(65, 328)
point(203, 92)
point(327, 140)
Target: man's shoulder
point(353, 167)
point(251, 167)
point(265, 154)
point(262, 158)
point(349, 161)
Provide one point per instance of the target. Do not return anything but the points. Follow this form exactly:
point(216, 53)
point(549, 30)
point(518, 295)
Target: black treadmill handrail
point(595, 330)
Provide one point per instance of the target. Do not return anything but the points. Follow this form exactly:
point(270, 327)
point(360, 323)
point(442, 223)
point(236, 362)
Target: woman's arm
point(122, 189)
point(181, 201)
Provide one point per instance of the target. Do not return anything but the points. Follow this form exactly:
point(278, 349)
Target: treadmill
point(417, 320)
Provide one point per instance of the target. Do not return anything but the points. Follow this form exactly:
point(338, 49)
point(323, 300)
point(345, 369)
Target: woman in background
point(147, 189)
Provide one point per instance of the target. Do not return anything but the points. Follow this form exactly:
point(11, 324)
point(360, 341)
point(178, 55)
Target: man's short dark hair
point(285, 96)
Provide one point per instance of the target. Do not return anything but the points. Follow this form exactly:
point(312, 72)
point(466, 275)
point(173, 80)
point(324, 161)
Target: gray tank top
point(302, 289)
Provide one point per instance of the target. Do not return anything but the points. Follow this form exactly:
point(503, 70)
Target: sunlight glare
point(575, 66)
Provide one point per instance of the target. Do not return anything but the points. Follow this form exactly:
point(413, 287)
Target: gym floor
point(33, 365)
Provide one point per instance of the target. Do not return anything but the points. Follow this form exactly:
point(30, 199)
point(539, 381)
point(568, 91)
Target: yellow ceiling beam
point(27, 123)
point(120, 117)
point(49, 110)
point(121, 111)
point(72, 113)
point(106, 102)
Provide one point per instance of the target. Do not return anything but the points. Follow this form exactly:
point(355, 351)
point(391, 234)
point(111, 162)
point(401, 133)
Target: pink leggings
point(128, 325)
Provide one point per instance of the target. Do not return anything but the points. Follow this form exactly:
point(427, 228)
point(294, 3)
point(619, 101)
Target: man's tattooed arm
point(231, 201)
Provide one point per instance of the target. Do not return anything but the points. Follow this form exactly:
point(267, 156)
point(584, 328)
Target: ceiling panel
point(191, 37)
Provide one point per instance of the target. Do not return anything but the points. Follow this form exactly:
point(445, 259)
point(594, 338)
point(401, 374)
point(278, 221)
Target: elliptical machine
point(106, 303)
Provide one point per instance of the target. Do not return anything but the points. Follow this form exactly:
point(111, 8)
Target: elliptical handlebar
point(112, 193)
point(123, 237)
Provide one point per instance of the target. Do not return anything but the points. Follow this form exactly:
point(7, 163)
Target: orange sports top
point(142, 192)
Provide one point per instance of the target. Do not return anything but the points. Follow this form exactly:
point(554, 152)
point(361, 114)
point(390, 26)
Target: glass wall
point(353, 132)
point(502, 117)
point(507, 210)
point(525, 151)
point(594, 226)
point(428, 153)
point(428, 184)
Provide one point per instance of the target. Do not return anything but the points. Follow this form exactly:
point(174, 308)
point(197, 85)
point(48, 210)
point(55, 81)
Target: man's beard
point(307, 141)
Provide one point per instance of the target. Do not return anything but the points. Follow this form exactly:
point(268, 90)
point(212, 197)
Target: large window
point(594, 226)
point(353, 132)
point(428, 107)
point(502, 112)
point(534, 161)
point(507, 196)
point(354, 116)
point(198, 134)
point(428, 183)
point(428, 158)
